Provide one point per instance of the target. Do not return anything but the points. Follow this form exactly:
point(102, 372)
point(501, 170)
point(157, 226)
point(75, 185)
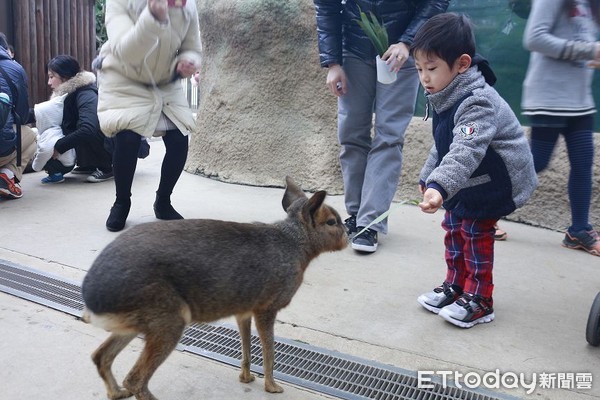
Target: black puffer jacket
point(8, 136)
point(402, 19)
point(80, 118)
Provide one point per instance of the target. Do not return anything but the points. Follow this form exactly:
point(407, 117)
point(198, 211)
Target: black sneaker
point(83, 170)
point(365, 241)
point(584, 240)
point(100, 176)
point(468, 311)
point(350, 224)
point(439, 297)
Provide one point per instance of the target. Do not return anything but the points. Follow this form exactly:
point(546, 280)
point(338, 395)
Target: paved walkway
point(359, 305)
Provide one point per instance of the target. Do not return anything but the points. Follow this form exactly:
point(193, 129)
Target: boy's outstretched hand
point(432, 201)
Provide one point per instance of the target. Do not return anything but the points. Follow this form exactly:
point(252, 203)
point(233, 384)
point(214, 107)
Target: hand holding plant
point(388, 62)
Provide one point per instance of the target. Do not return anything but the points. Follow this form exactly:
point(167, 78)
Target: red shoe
point(9, 189)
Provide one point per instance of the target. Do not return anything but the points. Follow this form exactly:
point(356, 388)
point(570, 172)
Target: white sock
point(7, 172)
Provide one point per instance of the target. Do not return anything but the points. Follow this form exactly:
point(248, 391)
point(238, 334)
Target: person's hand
point(421, 189)
point(159, 9)
point(432, 201)
point(336, 80)
point(185, 68)
point(396, 55)
point(55, 154)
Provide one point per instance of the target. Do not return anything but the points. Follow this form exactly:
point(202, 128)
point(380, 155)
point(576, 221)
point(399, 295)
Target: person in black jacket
point(11, 171)
point(371, 165)
point(80, 122)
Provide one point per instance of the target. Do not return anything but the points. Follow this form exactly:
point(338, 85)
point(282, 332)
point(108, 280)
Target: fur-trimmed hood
point(83, 78)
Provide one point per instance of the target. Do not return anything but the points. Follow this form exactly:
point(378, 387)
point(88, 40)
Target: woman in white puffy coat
point(151, 45)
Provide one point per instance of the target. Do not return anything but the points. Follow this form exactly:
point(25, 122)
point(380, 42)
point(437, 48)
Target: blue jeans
point(371, 164)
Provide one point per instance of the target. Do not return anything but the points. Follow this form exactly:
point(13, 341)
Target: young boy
point(479, 169)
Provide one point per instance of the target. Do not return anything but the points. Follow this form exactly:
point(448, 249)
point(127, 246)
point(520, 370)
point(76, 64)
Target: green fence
point(499, 33)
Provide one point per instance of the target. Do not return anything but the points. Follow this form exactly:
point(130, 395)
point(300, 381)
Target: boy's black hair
point(447, 35)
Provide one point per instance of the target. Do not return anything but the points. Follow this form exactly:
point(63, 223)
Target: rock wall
point(265, 112)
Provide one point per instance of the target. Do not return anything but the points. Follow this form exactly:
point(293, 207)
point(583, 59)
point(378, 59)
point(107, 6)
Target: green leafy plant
point(374, 30)
point(100, 9)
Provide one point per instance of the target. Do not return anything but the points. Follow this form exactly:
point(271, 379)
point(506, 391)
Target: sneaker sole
point(501, 238)
point(95, 180)
point(428, 307)
point(364, 248)
point(483, 320)
point(8, 195)
point(51, 182)
point(580, 247)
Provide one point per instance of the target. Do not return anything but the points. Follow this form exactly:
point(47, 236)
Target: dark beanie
point(65, 66)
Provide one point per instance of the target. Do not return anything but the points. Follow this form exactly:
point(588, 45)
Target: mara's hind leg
point(244, 322)
point(265, 324)
point(161, 339)
point(104, 356)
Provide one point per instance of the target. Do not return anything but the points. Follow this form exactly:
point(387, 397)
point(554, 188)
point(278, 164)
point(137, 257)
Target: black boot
point(118, 216)
point(164, 210)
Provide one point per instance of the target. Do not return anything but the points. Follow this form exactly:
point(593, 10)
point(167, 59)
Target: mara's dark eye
point(331, 222)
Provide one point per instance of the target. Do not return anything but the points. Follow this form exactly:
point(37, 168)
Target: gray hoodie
point(561, 41)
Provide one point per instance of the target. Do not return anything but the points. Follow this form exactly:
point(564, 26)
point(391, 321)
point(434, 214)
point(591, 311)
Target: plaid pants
point(470, 253)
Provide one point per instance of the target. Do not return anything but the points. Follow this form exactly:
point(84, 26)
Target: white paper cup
point(384, 75)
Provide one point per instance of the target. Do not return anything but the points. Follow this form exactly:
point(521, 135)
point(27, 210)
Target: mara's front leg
point(265, 324)
point(244, 322)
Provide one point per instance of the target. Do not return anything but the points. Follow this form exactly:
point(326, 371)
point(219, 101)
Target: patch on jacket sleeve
point(467, 131)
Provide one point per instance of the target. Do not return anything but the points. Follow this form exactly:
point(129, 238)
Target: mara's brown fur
point(156, 278)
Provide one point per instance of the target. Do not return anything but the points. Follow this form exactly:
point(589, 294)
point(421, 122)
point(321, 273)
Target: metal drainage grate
point(321, 370)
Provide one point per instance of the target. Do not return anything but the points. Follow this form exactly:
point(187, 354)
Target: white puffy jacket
point(136, 76)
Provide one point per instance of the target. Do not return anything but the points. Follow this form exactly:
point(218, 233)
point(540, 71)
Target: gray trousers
point(371, 163)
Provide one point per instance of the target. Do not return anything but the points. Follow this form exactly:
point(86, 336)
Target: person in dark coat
point(371, 164)
point(11, 171)
point(80, 122)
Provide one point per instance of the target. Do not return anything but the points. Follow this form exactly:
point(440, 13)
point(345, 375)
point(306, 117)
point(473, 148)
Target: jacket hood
point(83, 78)
point(4, 54)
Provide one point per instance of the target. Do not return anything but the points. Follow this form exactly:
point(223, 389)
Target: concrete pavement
point(360, 305)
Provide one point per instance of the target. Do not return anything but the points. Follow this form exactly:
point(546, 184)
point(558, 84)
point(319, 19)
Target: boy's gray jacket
point(481, 161)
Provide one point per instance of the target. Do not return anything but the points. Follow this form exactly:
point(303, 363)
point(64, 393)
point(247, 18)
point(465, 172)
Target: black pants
point(125, 156)
point(92, 153)
point(53, 166)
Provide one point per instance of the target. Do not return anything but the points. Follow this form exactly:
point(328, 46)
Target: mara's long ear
point(292, 193)
point(314, 203)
